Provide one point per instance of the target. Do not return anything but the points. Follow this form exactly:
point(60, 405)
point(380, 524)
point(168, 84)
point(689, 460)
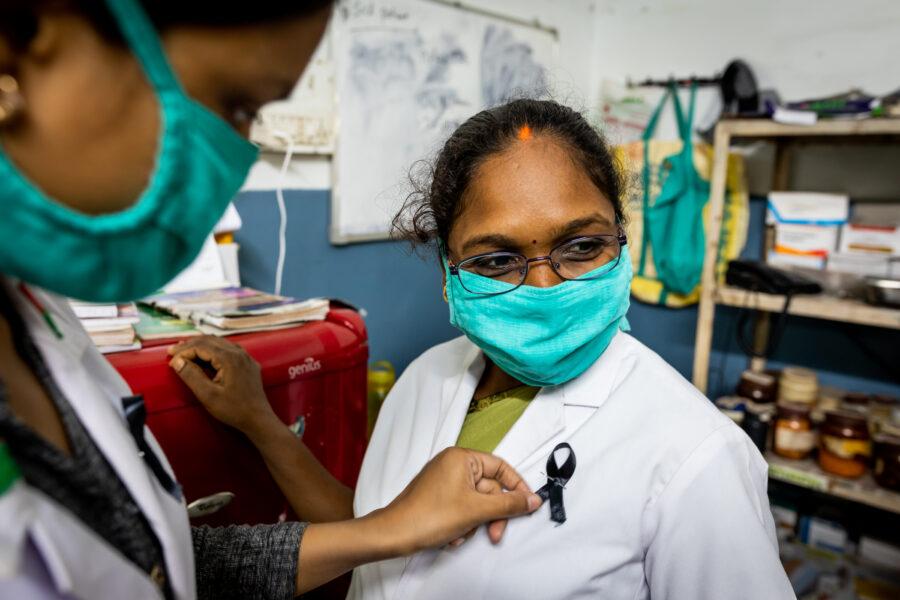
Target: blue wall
point(401, 292)
point(406, 313)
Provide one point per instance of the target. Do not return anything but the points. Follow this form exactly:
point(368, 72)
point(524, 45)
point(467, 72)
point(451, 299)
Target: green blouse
point(490, 419)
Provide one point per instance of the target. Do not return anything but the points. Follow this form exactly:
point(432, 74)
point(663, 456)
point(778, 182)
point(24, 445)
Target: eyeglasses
point(579, 259)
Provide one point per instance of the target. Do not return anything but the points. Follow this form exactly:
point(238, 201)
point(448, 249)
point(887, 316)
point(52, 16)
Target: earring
point(11, 100)
point(446, 299)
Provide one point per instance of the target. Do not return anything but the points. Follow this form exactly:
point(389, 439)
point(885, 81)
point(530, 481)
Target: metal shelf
point(819, 307)
point(806, 473)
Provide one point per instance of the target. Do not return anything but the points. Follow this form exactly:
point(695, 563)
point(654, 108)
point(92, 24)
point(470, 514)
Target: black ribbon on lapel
point(136, 415)
point(557, 478)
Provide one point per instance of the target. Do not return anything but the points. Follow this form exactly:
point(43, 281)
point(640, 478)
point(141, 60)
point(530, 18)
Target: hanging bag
point(667, 209)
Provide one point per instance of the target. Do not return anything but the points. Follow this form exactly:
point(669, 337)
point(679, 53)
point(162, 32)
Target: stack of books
point(111, 326)
point(232, 310)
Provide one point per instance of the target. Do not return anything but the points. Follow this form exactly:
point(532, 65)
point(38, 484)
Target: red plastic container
point(315, 372)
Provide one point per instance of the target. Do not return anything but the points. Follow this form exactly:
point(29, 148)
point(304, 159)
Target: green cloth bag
point(673, 221)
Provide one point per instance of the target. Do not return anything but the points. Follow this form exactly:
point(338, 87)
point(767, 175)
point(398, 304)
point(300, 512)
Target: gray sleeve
point(247, 561)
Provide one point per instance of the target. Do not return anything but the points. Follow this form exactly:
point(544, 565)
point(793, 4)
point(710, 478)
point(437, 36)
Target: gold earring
point(446, 299)
point(11, 100)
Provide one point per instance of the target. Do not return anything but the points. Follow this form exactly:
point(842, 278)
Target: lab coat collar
point(545, 417)
point(594, 386)
point(75, 339)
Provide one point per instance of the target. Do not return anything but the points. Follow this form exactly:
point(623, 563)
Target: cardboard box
point(870, 239)
point(807, 208)
point(822, 534)
point(810, 240)
point(806, 261)
point(859, 263)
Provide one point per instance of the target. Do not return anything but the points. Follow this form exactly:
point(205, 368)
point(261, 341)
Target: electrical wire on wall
point(282, 210)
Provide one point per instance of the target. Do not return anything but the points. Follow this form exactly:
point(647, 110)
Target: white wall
point(801, 48)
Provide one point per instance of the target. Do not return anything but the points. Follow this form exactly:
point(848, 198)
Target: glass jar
point(798, 385)
point(757, 386)
point(756, 423)
point(844, 443)
point(794, 434)
point(858, 401)
point(887, 461)
point(881, 406)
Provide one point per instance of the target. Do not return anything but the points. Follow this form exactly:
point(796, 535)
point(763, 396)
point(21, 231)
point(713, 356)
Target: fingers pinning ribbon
point(557, 477)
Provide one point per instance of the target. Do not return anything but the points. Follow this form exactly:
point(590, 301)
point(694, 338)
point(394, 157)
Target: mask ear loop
point(446, 261)
point(282, 210)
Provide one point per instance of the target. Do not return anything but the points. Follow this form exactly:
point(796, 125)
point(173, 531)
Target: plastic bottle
point(381, 380)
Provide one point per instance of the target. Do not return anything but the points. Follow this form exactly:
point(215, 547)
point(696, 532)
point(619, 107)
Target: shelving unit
point(803, 473)
point(806, 473)
point(821, 307)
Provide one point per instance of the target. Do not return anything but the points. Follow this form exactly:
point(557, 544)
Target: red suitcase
point(314, 374)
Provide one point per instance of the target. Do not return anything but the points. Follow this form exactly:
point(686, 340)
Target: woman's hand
point(455, 492)
point(234, 394)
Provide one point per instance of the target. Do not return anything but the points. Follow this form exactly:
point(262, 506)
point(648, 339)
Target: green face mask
point(543, 336)
point(201, 164)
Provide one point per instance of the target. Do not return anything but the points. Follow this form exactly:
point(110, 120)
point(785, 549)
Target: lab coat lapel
point(543, 420)
point(94, 390)
point(455, 398)
point(554, 415)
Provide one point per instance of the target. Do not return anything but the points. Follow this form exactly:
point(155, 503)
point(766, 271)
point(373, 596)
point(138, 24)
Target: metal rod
point(535, 24)
point(680, 82)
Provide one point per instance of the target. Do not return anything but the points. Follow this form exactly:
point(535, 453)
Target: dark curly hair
point(437, 199)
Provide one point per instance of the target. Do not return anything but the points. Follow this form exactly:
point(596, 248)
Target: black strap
point(136, 415)
point(557, 478)
point(775, 332)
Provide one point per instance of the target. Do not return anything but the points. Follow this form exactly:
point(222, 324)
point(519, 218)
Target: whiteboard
point(407, 73)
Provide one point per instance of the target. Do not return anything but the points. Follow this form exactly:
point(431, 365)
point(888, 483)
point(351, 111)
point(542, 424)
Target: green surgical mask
point(543, 336)
point(200, 166)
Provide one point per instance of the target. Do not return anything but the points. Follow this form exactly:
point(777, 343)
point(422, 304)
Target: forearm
point(332, 549)
point(314, 494)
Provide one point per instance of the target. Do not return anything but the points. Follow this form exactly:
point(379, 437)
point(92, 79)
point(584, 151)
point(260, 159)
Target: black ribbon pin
point(136, 415)
point(557, 478)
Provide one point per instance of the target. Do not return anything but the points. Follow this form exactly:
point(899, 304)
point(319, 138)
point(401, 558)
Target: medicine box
point(870, 239)
point(822, 534)
point(808, 208)
point(860, 263)
point(812, 240)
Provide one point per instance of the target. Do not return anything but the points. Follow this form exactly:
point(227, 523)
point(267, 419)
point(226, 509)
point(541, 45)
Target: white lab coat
point(46, 552)
point(668, 499)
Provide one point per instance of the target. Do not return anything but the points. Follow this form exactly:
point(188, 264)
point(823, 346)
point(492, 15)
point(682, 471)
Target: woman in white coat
point(651, 492)
point(120, 146)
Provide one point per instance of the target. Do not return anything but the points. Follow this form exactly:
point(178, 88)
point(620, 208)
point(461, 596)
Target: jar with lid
point(794, 434)
point(844, 443)
point(887, 461)
point(858, 401)
point(881, 406)
point(798, 385)
point(757, 386)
